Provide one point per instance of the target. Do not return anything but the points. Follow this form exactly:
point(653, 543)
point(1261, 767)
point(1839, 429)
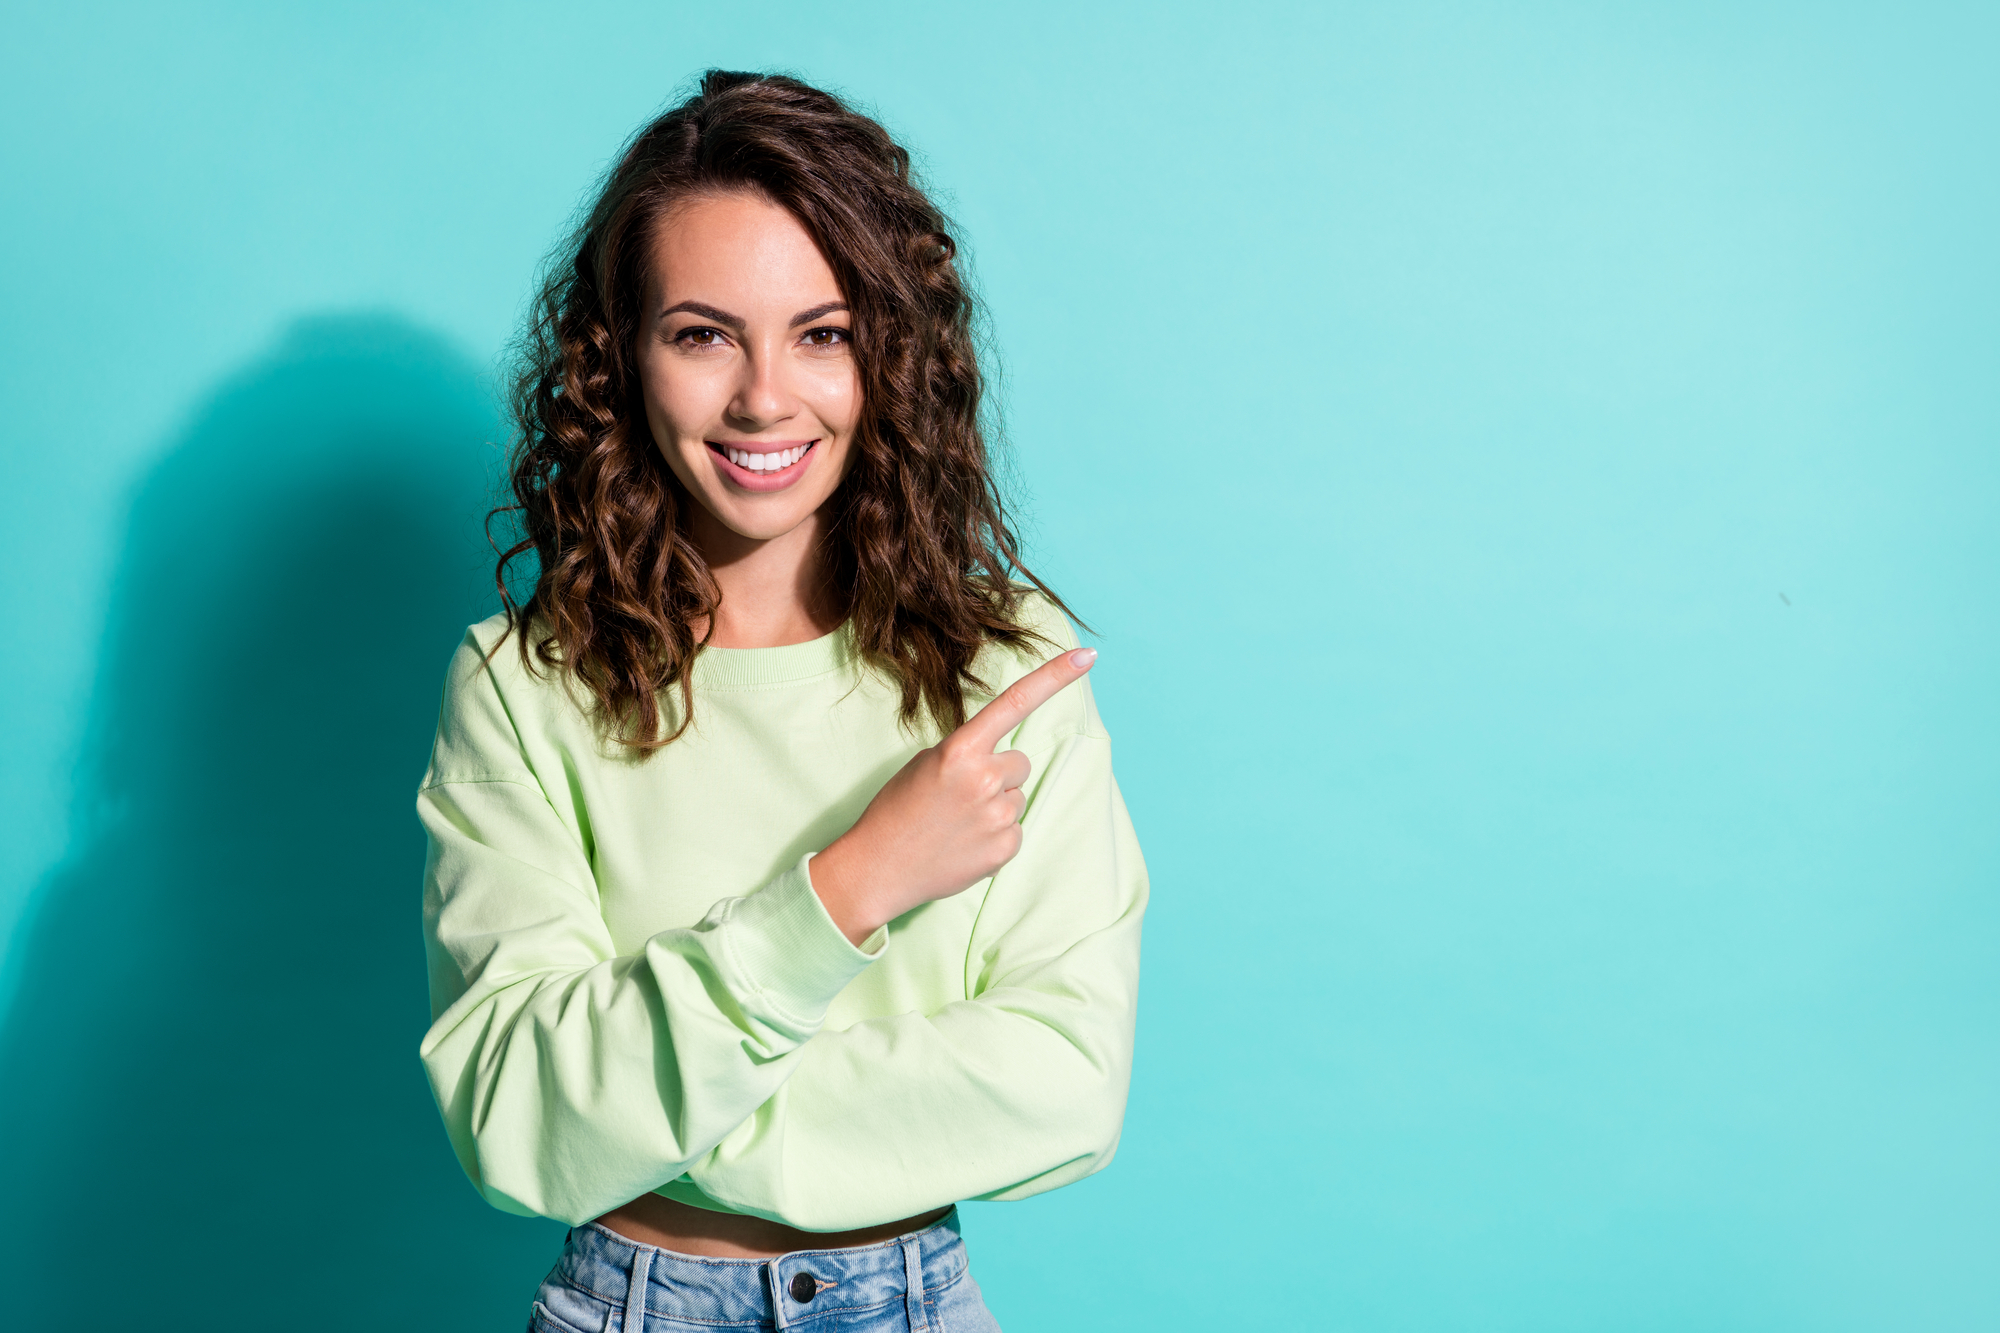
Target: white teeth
point(773, 462)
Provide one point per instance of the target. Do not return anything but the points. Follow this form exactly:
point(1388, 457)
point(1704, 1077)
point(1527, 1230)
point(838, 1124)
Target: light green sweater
point(635, 987)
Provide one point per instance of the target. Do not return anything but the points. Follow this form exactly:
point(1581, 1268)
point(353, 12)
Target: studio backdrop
point(1532, 473)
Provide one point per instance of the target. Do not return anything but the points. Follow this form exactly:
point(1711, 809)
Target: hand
point(947, 819)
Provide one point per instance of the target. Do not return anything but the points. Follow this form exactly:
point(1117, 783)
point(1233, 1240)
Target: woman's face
point(744, 358)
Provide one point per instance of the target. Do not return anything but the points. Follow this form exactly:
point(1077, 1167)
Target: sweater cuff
point(790, 950)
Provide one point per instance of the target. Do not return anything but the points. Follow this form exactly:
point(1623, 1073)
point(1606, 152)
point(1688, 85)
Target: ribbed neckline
point(753, 668)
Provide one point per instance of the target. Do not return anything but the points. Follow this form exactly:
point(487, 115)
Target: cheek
point(676, 402)
point(841, 402)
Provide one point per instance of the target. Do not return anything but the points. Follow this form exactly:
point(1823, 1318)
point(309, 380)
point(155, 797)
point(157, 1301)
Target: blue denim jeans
point(917, 1283)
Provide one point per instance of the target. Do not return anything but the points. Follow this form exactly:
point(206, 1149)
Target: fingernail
point(1082, 658)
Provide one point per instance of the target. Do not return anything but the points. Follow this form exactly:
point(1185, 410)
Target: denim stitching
point(543, 1313)
point(934, 1299)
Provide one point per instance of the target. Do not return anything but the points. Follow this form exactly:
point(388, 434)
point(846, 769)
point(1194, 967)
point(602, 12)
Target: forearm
point(1015, 1091)
point(571, 1079)
point(982, 1103)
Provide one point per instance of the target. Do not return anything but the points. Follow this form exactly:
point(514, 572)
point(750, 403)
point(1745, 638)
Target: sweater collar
point(754, 668)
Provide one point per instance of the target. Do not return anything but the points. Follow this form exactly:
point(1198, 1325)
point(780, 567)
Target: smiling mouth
point(765, 463)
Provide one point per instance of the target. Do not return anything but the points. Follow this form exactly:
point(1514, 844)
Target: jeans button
point(804, 1287)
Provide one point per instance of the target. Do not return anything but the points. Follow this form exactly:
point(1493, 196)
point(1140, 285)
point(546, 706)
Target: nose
point(762, 398)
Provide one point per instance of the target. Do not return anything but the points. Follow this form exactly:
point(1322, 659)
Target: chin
point(763, 532)
point(759, 523)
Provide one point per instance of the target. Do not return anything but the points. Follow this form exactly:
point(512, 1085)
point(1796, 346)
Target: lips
point(763, 465)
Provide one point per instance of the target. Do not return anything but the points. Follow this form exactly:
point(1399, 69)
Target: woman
point(779, 893)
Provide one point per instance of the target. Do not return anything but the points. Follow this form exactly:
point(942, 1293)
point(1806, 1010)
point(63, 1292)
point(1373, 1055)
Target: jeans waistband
point(796, 1288)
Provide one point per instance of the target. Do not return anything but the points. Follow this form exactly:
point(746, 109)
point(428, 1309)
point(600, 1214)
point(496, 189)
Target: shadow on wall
point(210, 1101)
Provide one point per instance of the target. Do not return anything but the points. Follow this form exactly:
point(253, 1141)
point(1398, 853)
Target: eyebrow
point(706, 311)
point(817, 312)
point(736, 322)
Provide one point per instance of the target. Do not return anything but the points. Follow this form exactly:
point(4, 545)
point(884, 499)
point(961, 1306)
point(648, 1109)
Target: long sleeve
point(572, 1079)
point(1015, 1089)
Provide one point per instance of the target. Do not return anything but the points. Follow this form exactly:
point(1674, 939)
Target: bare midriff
point(653, 1219)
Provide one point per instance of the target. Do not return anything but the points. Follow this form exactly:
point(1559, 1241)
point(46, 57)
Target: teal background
point(1533, 469)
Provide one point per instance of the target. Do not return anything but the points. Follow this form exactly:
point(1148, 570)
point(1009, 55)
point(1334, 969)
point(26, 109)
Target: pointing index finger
point(1013, 704)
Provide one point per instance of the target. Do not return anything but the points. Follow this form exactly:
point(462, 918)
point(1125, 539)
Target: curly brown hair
point(918, 541)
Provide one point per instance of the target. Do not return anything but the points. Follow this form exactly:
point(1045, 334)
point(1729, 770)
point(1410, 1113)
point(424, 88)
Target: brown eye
point(826, 337)
point(699, 337)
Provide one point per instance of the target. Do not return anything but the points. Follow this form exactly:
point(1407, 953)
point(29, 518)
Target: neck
point(775, 591)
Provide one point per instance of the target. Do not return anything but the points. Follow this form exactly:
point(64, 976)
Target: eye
point(700, 336)
point(826, 337)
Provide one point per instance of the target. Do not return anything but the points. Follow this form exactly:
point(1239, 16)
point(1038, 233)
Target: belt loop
point(635, 1292)
point(777, 1293)
point(913, 1284)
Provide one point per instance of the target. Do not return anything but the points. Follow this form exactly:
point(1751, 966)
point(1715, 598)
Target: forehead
point(738, 251)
